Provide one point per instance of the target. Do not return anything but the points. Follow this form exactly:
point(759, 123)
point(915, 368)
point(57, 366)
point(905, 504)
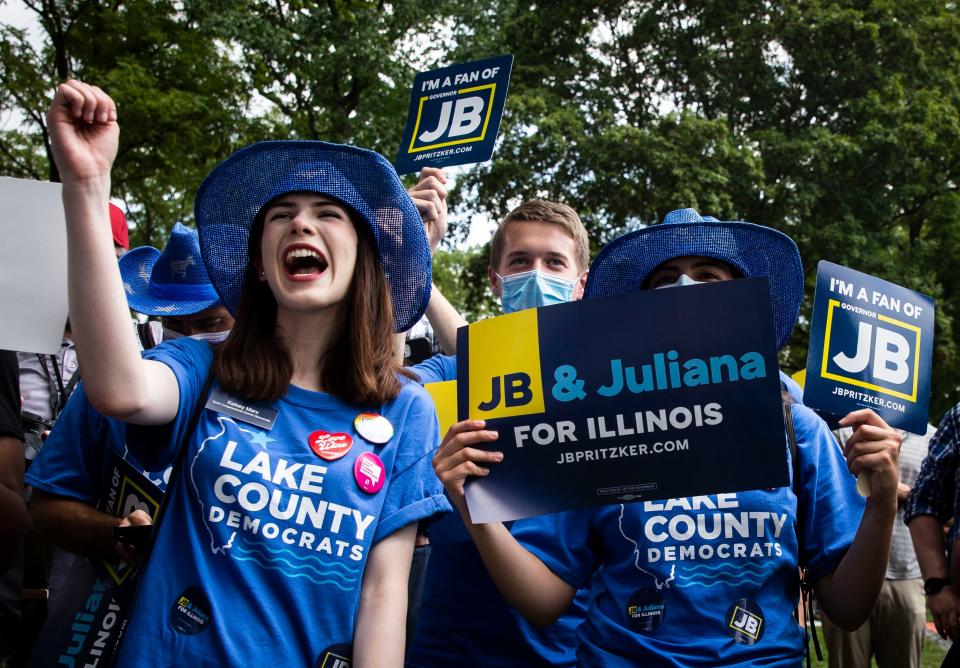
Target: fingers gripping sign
point(83, 129)
point(873, 455)
point(456, 459)
point(131, 553)
point(430, 197)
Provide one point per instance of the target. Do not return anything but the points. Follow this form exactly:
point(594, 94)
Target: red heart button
point(330, 446)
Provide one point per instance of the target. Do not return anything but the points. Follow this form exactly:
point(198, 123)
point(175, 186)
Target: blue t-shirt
point(260, 556)
point(709, 580)
point(80, 457)
point(464, 620)
point(436, 369)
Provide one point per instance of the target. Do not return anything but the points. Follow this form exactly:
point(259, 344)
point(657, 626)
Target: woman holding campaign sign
point(709, 580)
point(289, 529)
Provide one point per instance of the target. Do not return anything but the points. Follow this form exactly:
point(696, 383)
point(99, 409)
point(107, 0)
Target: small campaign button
point(374, 428)
point(191, 611)
point(646, 610)
point(330, 446)
point(744, 622)
point(336, 656)
point(368, 472)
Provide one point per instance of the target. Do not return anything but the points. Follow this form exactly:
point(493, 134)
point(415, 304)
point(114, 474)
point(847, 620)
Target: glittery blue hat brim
point(237, 189)
point(136, 268)
point(625, 263)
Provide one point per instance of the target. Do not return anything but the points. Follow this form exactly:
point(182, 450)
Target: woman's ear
point(257, 265)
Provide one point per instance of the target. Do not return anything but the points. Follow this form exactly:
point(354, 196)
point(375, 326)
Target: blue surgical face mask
point(684, 280)
point(530, 289)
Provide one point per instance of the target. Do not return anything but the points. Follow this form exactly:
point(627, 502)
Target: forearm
point(380, 634)
point(99, 317)
point(73, 525)
point(445, 320)
point(849, 594)
point(524, 581)
point(926, 531)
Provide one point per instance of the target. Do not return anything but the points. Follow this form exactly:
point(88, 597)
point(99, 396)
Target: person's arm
point(380, 634)
point(83, 128)
point(927, 508)
point(81, 528)
point(523, 579)
point(849, 593)
point(926, 531)
point(430, 198)
point(13, 510)
point(445, 320)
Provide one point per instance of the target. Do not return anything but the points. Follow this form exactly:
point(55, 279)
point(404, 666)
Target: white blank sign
point(33, 266)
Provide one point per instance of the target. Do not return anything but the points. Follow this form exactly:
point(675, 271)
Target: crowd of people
point(252, 475)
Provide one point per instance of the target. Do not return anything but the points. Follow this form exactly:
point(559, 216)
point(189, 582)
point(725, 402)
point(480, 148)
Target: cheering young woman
point(290, 523)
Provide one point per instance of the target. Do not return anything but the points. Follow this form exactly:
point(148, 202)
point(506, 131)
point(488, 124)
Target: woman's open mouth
point(302, 263)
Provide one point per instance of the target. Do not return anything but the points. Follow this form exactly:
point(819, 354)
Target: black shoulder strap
point(788, 402)
point(146, 335)
point(71, 386)
point(806, 587)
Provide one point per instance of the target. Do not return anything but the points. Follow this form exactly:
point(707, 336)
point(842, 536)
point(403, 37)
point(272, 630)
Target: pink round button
point(369, 473)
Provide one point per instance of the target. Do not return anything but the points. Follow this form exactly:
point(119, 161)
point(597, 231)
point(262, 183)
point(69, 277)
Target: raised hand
point(430, 197)
point(82, 122)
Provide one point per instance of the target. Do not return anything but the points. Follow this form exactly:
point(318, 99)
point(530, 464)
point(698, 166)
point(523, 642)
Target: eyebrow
point(548, 254)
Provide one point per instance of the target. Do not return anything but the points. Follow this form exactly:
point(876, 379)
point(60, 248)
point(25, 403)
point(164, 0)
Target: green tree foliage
point(838, 123)
point(180, 100)
point(461, 275)
point(339, 70)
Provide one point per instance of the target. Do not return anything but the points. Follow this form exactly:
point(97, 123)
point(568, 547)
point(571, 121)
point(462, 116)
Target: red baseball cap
point(118, 221)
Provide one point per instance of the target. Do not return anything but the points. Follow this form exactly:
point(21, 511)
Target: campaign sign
point(871, 346)
point(654, 395)
point(92, 606)
point(455, 115)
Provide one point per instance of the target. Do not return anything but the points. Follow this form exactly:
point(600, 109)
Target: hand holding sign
point(430, 198)
point(131, 553)
point(456, 460)
point(873, 454)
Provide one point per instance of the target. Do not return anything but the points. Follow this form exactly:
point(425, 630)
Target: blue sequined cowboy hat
point(238, 188)
point(171, 283)
point(624, 264)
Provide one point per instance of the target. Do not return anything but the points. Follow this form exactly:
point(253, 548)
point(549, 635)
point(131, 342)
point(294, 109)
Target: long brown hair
point(360, 366)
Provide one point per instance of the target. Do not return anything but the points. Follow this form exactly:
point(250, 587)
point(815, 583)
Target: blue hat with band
point(624, 264)
point(170, 283)
point(238, 188)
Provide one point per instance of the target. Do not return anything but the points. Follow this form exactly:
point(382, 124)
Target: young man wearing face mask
point(71, 478)
point(538, 257)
